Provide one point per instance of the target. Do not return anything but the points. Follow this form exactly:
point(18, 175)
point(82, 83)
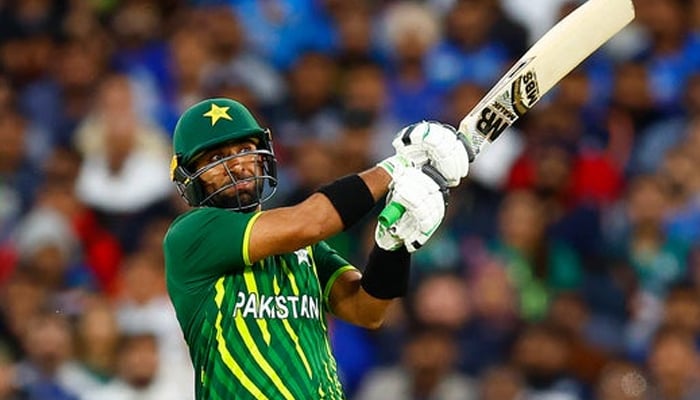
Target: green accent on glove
point(394, 164)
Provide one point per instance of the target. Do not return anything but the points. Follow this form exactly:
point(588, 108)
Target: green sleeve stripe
point(222, 347)
point(253, 347)
point(246, 238)
point(331, 281)
point(252, 287)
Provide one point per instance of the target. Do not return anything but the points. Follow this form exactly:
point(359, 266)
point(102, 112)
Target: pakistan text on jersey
point(253, 305)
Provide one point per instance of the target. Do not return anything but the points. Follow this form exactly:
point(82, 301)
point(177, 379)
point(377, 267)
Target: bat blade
point(566, 45)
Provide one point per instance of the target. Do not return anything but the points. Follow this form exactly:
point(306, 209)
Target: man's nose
point(234, 163)
point(237, 165)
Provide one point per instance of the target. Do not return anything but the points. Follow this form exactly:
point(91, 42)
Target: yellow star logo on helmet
point(216, 113)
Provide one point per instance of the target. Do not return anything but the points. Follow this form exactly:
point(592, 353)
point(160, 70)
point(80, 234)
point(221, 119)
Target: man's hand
point(438, 145)
point(423, 202)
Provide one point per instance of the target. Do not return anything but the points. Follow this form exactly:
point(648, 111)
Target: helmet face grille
point(237, 193)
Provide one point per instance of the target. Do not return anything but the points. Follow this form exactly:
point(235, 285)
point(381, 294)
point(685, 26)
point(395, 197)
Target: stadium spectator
point(603, 244)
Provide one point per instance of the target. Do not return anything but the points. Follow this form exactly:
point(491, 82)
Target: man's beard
point(244, 200)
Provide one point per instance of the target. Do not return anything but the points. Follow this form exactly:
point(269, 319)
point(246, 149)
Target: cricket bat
point(566, 45)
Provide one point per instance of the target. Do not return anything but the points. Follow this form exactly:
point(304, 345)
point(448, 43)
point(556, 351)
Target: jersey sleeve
point(329, 266)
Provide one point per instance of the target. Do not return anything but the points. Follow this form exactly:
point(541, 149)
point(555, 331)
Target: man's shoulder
point(197, 218)
point(196, 214)
point(201, 222)
point(187, 224)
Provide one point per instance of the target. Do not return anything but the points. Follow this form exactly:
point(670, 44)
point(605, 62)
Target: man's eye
point(245, 150)
point(215, 157)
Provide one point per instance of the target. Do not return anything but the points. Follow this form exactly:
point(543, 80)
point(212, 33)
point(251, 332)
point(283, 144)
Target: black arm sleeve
point(351, 198)
point(387, 273)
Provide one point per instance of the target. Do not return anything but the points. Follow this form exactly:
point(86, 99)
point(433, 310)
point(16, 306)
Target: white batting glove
point(423, 201)
point(396, 165)
point(438, 145)
point(385, 239)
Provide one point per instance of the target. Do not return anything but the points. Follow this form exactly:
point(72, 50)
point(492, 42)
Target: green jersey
point(254, 330)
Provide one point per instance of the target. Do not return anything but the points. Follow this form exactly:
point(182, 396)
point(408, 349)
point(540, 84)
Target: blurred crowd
point(568, 266)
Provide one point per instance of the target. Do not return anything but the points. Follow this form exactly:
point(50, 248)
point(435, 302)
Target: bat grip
point(391, 213)
point(471, 151)
point(394, 210)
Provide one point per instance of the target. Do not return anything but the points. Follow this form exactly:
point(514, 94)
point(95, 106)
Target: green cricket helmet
point(214, 123)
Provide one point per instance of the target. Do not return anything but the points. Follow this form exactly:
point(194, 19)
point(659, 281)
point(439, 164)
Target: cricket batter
point(251, 286)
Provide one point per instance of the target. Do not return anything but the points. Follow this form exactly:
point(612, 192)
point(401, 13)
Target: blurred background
point(569, 263)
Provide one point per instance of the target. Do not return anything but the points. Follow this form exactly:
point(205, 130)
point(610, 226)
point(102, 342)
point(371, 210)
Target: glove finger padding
point(396, 164)
point(424, 205)
point(407, 142)
point(449, 157)
point(436, 144)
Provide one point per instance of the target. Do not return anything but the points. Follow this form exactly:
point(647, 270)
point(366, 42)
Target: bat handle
point(391, 213)
point(468, 132)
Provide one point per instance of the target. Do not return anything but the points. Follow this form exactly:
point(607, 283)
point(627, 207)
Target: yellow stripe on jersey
point(330, 377)
point(253, 288)
point(253, 347)
point(285, 323)
point(276, 286)
point(322, 297)
point(258, 357)
point(297, 346)
point(290, 275)
point(226, 356)
point(310, 249)
point(246, 238)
